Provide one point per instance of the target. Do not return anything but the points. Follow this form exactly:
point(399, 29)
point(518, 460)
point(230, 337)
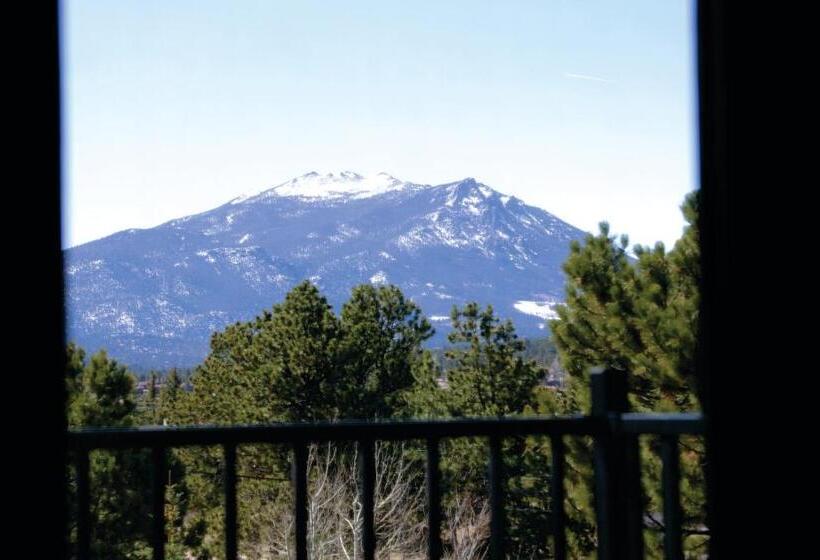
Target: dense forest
point(299, 361)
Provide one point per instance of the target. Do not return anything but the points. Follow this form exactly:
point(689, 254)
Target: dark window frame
point(41, 141)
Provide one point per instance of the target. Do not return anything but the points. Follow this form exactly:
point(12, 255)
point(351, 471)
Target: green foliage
point(101, 394)
point(426, 399)
point(639, 316)
point(489, 377)
point(299, 356)
point(300, 362)
point(382, 337)
point(167, 398)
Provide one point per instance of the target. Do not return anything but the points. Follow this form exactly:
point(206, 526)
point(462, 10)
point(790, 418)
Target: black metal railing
point(615, 431)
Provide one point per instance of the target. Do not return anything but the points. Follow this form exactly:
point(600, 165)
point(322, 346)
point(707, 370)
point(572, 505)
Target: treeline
point(542, 351)
point(299, 361)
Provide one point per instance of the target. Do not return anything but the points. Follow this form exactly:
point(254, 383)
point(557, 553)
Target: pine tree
point(300, 356)
point(300, 362)
point(166, 400)
point(104, 393)
point(427, 398)
point(490, 378)
point(639, 316)
point(382, 333)
point(74, 365)
point(101, 394)
point(280, 366)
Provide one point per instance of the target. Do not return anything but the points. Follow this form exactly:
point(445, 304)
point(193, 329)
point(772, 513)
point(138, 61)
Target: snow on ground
point(542, 309)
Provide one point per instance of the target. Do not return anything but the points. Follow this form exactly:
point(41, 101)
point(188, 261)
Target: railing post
point(158, 501)
point(231, 549)
point(618, 497)
point(367, 480)
point(557, 492)
point(83, 505)
point(672, 544)
point(497, 513)
point(300, 495)
point(433, 481)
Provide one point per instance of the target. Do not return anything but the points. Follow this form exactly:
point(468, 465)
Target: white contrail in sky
point(586, 77)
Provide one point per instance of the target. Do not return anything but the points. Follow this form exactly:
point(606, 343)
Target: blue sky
point(584, 108)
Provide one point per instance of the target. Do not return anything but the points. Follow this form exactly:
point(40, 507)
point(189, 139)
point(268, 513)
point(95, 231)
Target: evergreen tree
point(427, 398)
point(153, 389)
point(639, 316)
point(489, 377)
point(168, 397)
point(300, 356)
point(74, 365)
point(381, 340)
point(300, 362)
point(101, 394)
point(283, 365)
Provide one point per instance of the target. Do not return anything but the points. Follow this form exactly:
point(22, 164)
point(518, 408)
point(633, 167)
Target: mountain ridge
point(153, 296)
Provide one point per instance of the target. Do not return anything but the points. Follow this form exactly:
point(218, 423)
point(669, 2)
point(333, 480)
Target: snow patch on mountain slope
point(542, 309)
point(89, 266)
point(343, 233)
point(473, 205)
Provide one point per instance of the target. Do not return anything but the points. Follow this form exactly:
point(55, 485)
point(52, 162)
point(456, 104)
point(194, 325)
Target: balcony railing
point(619, 514)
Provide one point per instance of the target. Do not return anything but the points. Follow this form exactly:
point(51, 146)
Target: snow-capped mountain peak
point(340, 184)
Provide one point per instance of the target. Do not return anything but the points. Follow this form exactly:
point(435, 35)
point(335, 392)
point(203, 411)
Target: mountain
point(152, 297)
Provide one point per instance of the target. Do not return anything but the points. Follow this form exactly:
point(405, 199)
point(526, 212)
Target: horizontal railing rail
point(617, 468)
point(352, 430)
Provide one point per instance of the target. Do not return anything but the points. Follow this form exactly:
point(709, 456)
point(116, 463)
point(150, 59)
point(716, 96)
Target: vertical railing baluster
point(557, 492)
point(634, 494)
point(496, 476)
point(672, 543)
point(433, 479)
point(229, 451)
point(83, 505)
point(158, 498)
point(367, 479)
point(298, 475)
point(618, 503)
point(608, 393)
